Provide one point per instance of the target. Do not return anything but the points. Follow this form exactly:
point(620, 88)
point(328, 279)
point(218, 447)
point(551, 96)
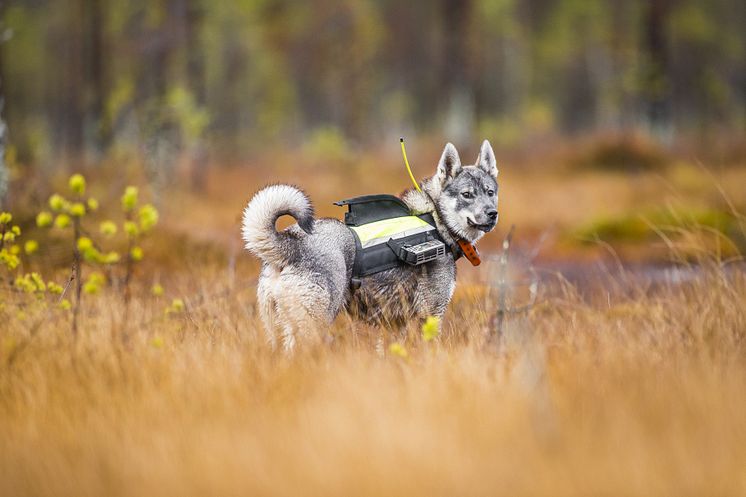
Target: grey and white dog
point(307, 268)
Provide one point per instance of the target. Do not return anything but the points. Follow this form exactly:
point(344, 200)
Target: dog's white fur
point(260, 215)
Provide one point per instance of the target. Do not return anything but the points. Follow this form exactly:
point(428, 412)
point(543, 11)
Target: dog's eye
point(467, 195)
point(491, 193)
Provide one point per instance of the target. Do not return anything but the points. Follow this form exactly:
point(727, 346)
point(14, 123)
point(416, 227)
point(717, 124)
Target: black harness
point(412, 247)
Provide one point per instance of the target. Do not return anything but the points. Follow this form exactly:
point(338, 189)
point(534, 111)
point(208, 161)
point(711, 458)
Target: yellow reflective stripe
point(401, 234)
point(388, 228)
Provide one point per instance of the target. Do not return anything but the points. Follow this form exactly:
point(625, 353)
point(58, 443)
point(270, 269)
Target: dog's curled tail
point(261, 214)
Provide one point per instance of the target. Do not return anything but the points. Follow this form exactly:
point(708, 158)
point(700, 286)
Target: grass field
point(620, 387)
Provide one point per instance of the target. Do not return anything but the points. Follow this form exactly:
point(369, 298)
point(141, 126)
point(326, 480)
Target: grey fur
point(305, 279)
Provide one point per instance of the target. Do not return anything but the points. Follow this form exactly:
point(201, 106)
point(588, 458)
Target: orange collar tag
point(470, 252)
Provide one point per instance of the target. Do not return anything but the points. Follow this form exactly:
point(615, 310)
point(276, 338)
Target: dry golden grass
point(643, 393)
point(615, 389)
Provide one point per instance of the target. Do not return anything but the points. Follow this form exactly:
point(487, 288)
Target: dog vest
point(387, 235)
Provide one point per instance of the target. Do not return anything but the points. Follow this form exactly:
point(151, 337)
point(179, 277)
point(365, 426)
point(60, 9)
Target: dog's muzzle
point(486, 227)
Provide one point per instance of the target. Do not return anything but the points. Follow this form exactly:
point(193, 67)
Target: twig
point(77, 273)
point(129, 265)
point(37, 326)
point(502, 285)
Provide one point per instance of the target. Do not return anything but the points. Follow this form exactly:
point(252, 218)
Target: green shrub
point(636, 227)
point(71, 214)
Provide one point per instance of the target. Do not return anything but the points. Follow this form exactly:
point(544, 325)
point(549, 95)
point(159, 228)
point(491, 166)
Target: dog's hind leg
point(267, 311)
point(298, 324)
point(282, 312)
point(309, 325)
point(288, 337)
point(303, 306)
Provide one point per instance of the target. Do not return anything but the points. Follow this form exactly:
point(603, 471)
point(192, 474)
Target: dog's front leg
point(381, 342)
point(387, 335)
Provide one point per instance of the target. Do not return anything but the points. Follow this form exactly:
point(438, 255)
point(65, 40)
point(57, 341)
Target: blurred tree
point(89, 79)
point(67, 43)
point(95, 50)
point(657, 87)
point(4, 174)
point(5, 34)
point(456, 77)
point(195, 15)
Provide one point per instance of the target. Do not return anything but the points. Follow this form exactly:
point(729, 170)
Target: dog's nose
point(492, 214)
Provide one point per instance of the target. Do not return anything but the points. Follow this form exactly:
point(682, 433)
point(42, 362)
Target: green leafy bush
point(72, 214)
point(11, 253)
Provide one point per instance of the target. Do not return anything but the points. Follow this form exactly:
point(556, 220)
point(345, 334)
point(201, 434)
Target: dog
point(305, 281)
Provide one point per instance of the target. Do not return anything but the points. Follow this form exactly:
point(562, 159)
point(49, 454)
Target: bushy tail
point(259, 218)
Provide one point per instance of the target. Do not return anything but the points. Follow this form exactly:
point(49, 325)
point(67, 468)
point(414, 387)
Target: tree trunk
point(199, 156)
point(657, 85)
point(71, 111)
point(455, 76)
point(100, 130)
point(4, 176)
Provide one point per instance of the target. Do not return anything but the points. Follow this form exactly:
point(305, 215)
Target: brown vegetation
point(630, 389)
point(642, 393)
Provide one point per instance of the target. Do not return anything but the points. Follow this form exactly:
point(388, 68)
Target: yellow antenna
point(406, 163)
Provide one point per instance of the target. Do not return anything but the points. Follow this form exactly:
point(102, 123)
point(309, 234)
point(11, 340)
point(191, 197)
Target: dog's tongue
point(470, 252)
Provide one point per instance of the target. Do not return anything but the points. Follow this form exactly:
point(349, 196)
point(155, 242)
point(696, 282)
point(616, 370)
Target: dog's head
point(467, 199)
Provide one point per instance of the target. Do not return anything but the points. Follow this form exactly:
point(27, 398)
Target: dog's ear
point(450, 163)
point(486, 160)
